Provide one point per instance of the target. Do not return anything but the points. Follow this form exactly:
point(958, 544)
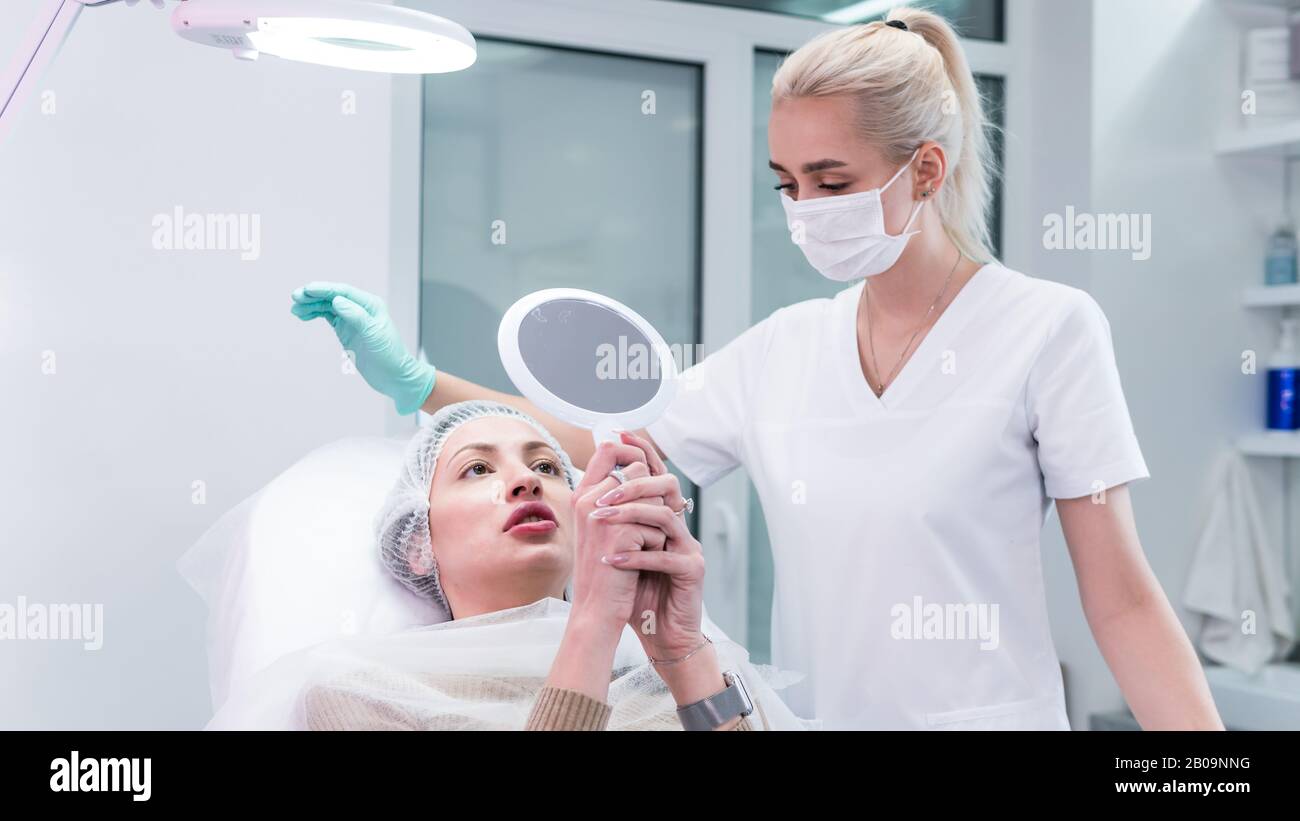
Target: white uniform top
point(905, 529)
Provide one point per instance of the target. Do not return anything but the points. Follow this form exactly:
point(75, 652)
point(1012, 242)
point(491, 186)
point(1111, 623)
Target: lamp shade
point(342, 33)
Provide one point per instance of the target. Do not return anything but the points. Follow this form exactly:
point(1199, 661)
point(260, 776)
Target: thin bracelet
point(706, 641)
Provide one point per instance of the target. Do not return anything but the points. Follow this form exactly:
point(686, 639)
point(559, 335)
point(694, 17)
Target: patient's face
point(499, 517)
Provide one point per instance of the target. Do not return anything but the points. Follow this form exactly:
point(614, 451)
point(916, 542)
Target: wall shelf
point(1278, 140)
point(1277, 444)
point(1272, 296)
point(1293, 5)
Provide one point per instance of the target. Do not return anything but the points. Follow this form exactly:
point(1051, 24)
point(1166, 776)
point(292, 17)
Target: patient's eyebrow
point(810, 167)
point(529, 447)
point(490, 448)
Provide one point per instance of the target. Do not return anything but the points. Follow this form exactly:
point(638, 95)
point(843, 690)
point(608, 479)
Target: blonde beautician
point(907, 436)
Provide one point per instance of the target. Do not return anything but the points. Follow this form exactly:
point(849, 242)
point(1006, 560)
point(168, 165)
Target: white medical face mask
point(844, 236)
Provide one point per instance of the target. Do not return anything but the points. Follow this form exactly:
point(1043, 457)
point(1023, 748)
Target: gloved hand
point(364, 327)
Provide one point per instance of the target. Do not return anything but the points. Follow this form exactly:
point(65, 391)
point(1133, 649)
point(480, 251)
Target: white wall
point(172, 366)
point(1055, 154)
point(1162, 76)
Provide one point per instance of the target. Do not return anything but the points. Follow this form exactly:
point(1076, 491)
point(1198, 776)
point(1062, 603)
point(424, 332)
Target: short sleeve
point(1076, 407)
point(702, 430)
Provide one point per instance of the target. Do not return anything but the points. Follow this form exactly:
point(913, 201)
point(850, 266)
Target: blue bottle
point(1283, 381)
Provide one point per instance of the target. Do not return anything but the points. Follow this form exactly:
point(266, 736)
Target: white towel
point(1235, 571)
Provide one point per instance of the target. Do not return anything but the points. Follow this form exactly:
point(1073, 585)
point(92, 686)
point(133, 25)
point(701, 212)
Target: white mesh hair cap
point(402, 526)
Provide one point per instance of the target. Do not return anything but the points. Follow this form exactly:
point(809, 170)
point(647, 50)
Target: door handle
point(723, 528)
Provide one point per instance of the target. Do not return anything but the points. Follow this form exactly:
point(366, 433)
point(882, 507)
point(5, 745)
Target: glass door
point(550, 167)
point(612, 145)
point(547, 167)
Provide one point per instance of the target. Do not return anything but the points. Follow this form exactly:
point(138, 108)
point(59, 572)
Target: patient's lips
point(531, 517)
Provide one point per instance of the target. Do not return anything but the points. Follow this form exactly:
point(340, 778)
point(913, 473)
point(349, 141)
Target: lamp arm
point(46, 34)
point(428, 44)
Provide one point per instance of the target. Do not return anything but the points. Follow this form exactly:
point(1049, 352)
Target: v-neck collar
point(946, 327)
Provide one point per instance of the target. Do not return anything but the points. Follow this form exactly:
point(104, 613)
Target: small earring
point(927, 193)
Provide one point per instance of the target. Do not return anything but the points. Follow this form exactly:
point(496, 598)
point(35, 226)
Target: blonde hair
point(907, 85)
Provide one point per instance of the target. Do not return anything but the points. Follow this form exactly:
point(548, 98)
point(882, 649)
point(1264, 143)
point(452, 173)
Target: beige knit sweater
point(560, 709)
point(338, 704)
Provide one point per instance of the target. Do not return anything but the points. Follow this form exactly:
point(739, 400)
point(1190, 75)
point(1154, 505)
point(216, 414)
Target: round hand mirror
point(588, 360)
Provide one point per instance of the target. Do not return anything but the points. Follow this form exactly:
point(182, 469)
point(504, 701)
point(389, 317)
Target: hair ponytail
point(910, 85)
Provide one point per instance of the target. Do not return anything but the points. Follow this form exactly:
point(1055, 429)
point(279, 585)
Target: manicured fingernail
point(604, 513)
point(610, 498)
point(617, 558)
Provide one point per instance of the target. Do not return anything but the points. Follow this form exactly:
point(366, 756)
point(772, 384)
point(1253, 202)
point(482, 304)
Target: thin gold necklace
point(866, 290)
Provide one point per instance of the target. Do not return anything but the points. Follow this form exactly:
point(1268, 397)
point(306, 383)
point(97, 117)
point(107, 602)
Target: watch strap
point(719, 708)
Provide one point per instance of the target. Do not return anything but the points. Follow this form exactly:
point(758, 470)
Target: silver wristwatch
point(719, 708)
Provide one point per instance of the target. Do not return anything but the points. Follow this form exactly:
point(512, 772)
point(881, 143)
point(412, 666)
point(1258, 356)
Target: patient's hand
point(667, 609)
point(603, 594)
point(602, 591)
point(633, 530)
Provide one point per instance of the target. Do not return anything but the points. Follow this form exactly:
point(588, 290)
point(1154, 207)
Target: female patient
point(487, 520)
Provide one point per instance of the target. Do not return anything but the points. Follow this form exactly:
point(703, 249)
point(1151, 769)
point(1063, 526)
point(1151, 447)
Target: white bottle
point(1284, 379)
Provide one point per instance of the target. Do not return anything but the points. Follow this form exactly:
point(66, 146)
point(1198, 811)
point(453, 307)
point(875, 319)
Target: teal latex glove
point(364, 327)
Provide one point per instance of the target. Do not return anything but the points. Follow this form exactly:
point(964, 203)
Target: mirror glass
point(589, 356)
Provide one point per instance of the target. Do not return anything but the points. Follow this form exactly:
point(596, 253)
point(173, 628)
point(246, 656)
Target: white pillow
point(296, 563)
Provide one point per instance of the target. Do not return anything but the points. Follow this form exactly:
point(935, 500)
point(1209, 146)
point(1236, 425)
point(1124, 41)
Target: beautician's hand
point(363, 326)
point(668, 608)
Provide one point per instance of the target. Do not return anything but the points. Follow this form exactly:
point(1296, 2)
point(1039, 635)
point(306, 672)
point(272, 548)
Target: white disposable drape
point(476, 673)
